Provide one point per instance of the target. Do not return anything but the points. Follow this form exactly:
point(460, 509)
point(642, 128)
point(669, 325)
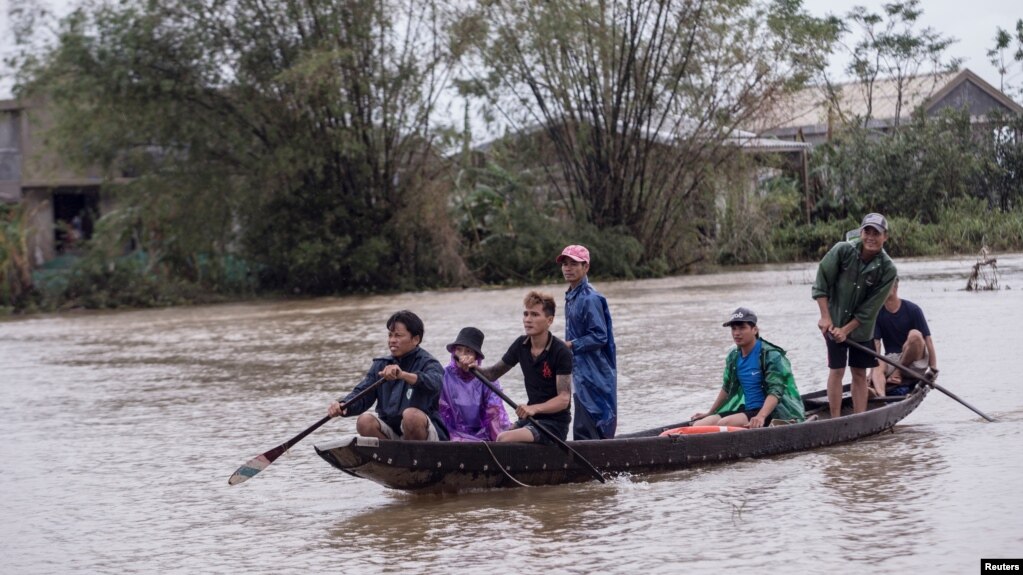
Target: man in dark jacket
point(407, 402)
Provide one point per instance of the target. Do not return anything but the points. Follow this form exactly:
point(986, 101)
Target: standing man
point(852, 283)
point(407, 403)
point(902, 327)
point(589, 335)
point(547, 368)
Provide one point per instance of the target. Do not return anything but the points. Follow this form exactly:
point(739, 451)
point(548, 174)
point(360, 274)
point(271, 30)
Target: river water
point(120, 430)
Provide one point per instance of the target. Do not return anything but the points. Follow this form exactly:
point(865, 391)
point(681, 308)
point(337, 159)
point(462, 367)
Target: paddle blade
point(249, 469)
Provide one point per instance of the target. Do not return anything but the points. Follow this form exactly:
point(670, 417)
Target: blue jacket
point(594, 368)
point(392, 397)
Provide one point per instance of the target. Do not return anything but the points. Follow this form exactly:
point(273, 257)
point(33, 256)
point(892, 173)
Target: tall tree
point(892, 47)
point(638, 99)
point(1004, 42)
point(299, 133)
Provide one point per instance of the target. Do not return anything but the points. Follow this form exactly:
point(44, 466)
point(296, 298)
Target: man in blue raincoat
point(589, 335)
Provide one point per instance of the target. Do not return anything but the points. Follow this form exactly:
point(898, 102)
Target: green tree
point(637, 99)
point(15, 269)
point(914, 172)
point(1005, 41)
point(1001, 153)
point(298, 135)
point(890, 46)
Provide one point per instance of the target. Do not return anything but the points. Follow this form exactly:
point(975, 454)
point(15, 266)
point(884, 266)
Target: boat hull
point(425, 466)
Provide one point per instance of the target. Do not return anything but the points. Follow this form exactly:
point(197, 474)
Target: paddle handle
point(916, 374)
point(593, 470)
point(260, 462)
point(291, 442)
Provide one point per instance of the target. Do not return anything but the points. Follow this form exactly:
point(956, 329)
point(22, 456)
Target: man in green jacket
point(757, 385)
point(852, 283)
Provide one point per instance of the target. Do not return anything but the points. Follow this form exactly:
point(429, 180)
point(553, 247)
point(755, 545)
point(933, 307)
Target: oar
point(917, 375)
point(549, 433)
point(261, 462)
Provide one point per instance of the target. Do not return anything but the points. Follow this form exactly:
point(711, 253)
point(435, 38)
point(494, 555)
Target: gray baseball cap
point(875, 220)
point(741, 315)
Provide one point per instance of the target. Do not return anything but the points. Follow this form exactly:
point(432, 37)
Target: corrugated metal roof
point(809, 107)
point(768, 144)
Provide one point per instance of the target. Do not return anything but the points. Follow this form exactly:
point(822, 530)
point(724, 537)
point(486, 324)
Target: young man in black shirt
point(547, 368)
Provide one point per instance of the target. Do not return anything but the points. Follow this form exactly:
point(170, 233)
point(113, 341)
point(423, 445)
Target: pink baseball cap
point(577, 253)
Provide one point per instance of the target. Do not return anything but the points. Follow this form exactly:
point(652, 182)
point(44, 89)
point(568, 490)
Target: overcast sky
point(972, 22)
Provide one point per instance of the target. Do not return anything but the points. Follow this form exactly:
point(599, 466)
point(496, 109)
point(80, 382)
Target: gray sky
point(973, 22)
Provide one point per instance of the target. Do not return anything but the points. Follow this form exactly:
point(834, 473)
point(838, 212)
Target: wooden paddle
point(566, 447)
point(929, 381)
point(261, 462)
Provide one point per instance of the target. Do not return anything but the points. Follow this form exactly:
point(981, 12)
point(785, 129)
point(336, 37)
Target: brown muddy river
point(120, 430)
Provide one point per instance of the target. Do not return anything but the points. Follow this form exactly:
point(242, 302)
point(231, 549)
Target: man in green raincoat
point(758, 383)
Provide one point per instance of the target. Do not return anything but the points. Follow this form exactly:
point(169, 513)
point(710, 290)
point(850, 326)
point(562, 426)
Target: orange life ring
point(693, 429)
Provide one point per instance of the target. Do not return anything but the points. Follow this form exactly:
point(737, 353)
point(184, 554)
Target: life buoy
point(694, 429)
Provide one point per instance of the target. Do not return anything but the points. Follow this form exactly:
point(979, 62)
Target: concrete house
point(63, 203)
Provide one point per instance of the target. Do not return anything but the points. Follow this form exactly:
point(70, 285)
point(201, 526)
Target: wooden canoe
point(444, 466)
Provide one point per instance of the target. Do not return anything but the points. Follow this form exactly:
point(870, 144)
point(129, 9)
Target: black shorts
point(559, 428)
point(750, 414)
point(838, 353)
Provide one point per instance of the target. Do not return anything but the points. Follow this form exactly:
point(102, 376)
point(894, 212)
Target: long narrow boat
point(442, 466)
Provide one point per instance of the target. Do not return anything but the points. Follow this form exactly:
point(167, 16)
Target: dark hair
point(411, 321)
point(535, 297)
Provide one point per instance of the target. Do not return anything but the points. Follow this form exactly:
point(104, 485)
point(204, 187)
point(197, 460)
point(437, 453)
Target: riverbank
point(134, 282)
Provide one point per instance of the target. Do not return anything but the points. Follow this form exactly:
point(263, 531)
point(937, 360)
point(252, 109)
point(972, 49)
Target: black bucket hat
point(471, 338)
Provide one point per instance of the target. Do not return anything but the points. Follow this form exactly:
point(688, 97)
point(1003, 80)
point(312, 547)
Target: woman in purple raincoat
point(470, 410)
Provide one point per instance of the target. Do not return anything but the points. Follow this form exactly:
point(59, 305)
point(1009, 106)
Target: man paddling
point(407, 402)
point(853, 280)
point(547, 368)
